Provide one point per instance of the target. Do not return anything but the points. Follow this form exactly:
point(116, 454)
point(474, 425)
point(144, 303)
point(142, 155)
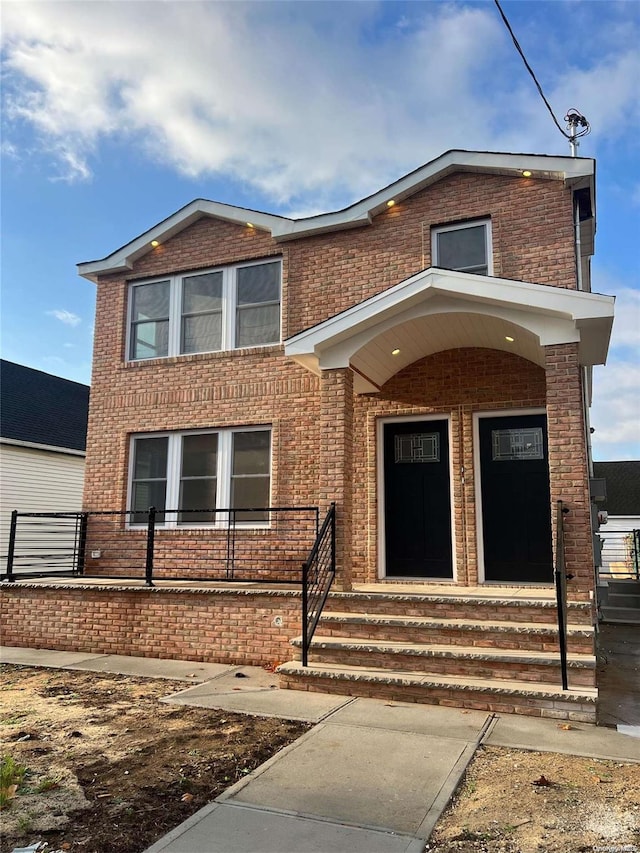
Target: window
point(200, 472)
point(205, 312)
point(465, 247)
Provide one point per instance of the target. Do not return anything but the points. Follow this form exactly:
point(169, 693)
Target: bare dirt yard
point(108, 767)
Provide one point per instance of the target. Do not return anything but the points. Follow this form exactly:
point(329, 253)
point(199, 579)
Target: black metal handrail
point(561, 577)
point(256, 544)
point(318, 573)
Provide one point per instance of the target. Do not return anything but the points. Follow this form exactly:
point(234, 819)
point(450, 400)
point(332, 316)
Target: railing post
point(151, 531)
point(333, 538)
point(561, 592)
point(305, 615)
point(82, 542)
point(12, 545)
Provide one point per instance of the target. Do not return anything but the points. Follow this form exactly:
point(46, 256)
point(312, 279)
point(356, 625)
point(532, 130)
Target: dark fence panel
point(263, 545)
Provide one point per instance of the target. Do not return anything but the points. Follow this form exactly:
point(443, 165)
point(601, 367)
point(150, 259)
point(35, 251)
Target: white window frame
point(229, 309)
point(472, 223)
point(223, 479)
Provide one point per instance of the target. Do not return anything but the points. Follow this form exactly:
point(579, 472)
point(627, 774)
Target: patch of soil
point(512, 801)
point(111, 768)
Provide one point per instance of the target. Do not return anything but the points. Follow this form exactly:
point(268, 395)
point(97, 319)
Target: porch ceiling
point(437, 310)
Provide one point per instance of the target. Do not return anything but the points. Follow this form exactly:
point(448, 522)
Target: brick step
point(485, 663)
point(463, 605)
point(508, 697)
point(529, 636)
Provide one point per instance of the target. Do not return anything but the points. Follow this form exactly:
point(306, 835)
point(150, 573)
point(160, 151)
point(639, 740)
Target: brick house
point(422, 359)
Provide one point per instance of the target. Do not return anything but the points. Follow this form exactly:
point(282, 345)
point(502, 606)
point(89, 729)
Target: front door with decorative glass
point(417, 502)
point(516, 504)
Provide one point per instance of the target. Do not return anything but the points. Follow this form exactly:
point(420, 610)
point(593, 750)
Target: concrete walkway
point(369, 776)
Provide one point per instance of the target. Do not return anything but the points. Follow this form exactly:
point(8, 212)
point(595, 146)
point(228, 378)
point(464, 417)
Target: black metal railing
point(619, 555)
point(561, 578)
point(318, 573)
point(259, 545)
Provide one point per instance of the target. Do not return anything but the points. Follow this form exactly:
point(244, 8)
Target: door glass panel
point(512, 444)
point(418, 447)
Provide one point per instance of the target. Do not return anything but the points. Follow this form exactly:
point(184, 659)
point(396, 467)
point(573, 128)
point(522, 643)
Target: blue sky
point(116, 114)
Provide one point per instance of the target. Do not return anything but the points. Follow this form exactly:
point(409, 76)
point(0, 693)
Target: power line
point(573, 117)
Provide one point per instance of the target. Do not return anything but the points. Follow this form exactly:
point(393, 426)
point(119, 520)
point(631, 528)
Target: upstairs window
point(201, 472)
point(465, 247)
point(215, 310)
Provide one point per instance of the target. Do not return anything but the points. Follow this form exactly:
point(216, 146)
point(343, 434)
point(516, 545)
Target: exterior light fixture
point(395, 351)
point(250, 225)
point(155, 243)
point(509, 338)
point(526, 173)
point(391, 202)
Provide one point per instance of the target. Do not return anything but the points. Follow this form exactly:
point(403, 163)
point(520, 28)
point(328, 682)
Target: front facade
point(421, 359)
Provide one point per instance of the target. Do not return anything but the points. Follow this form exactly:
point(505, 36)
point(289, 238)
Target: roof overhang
point(439, 309)
point(576, 172)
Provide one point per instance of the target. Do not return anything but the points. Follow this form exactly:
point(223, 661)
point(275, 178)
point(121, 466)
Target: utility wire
point(530, 70)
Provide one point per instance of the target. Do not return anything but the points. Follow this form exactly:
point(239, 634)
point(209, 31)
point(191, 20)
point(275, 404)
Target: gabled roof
point(623, 486)
point(39, 409)
point(576, 172)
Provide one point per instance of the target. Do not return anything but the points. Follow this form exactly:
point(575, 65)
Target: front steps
point(494, 651)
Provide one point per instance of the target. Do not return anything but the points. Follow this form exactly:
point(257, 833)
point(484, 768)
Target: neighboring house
point(620, 552)
point(43, 430)
point(422, 359)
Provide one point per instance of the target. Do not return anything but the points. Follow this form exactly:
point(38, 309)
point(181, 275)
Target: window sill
point(267, 349)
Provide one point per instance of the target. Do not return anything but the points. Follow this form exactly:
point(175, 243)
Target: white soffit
point(441, 309)
point(575, 172)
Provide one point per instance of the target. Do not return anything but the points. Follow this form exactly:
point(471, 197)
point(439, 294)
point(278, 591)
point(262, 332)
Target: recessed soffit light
point(509, 338)
point(395, 351)
point(155, 243)
point(391, 202)
point(526, 173)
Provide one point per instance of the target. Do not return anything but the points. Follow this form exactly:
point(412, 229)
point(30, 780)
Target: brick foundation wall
point(216, 626)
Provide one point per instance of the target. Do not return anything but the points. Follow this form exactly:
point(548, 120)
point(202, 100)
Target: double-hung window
point(195, 477)
point(220, 309)
point(465, 247)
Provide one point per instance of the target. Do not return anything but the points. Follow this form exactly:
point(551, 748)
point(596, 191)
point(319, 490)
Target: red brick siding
point(199, 626)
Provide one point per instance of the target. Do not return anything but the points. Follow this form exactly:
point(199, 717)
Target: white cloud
point(66, 317)
point(294, 98)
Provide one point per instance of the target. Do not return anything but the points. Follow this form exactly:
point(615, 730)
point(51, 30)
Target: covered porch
point(454, 416)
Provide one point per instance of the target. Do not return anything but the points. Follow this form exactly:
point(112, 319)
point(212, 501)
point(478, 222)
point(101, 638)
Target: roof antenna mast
point(575, 121)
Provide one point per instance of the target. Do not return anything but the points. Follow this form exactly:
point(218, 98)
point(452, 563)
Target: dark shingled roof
point(623, 486)
point(42, 409)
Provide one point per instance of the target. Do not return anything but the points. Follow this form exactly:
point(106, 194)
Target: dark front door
point(516, 507)
point(417, 503)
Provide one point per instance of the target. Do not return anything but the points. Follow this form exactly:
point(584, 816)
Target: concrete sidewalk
point(370, 776)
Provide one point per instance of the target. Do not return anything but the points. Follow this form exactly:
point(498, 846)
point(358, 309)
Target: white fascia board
point(123, 259)
point(574, 171)
point(50, 448)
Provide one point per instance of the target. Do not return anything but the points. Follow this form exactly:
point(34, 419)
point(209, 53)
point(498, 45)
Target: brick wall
point(214, 625)
point(322, 275)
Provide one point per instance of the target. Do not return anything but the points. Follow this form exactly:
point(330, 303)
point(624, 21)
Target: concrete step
point(529, 636)
point(486, 663)
point(480, 604)
point(624, 587)
point(522, 697)
point(620, 615)
point(617, 599)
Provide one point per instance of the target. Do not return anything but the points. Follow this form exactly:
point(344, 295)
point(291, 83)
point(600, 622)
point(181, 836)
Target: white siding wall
point(36, 481)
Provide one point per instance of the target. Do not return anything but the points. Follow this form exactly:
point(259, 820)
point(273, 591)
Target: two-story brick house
point(422, 359)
